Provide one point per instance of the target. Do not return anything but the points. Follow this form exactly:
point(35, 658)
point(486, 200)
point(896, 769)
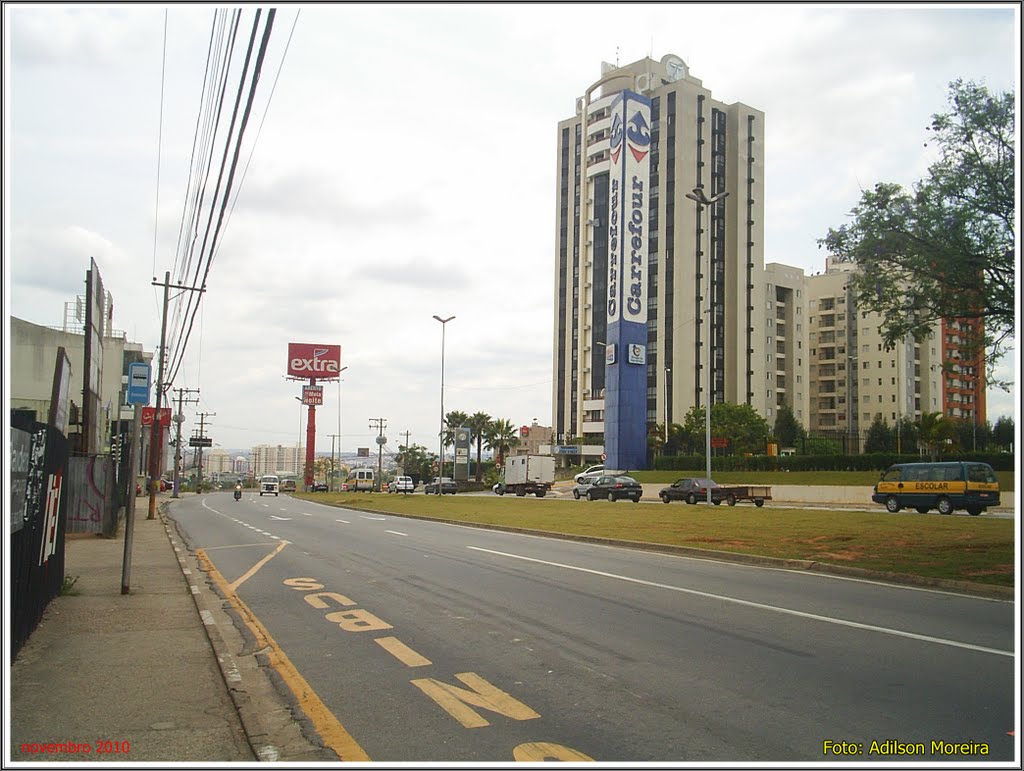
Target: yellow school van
point(945, 486)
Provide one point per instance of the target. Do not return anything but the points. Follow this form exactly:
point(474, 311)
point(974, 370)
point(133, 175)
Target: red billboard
point(307, 360)
point(148, 413)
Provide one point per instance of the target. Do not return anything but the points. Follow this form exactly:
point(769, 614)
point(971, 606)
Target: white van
point(269, 484)
point(361, 479)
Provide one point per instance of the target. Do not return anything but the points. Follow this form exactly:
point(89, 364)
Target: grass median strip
point(956, 548)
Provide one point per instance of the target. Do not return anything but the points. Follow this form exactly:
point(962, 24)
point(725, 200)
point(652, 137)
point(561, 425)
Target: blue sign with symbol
point(138, 383)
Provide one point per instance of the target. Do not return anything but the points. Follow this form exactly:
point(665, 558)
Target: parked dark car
point(691, 490)
point(614, 487)
point(448, 487)
point(320, 487)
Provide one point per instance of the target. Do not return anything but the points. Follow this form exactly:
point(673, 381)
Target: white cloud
point(406, 168)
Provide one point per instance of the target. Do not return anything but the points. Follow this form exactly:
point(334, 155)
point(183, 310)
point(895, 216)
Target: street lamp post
point(702, 200)
point(440, 455)
point(668, 371)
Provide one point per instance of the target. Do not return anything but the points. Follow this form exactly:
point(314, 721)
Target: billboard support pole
point(310, 440)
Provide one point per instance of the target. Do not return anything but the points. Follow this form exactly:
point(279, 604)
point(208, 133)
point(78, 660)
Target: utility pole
point(405, 455)
point(199, 450)
point(380, 424)
point(333, 437)
point(154, 441)
point(179, 418)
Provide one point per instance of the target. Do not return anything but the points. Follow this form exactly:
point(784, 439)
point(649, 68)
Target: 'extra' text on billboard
point(629, 146)
point(317, 361)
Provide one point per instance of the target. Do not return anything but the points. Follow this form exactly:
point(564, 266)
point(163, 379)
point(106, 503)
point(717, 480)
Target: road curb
point(273, 727)
point(812, 566)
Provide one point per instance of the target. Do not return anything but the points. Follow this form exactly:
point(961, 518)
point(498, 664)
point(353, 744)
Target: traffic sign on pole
point(139, 378)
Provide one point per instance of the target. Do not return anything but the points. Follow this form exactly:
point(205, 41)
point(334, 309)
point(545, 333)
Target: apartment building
point(277, 459)
point(855, 379)
point(786, 354)
point(695, 142)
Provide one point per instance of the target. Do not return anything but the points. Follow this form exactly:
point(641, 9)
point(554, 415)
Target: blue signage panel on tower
point(625, 402)
point(139, 378)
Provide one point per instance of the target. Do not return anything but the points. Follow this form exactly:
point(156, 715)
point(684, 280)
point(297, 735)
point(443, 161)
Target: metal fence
point(38, 514)
point(92, 495)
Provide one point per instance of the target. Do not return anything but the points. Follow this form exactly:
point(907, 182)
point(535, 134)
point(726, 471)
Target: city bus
point(945, 486)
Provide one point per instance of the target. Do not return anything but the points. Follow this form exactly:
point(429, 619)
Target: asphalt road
point(431, 642)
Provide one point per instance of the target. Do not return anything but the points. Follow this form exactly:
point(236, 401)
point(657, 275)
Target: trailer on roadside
point(756, 493)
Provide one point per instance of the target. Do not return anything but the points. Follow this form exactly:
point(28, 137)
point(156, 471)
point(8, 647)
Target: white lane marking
point(343, 521)
point(305, 513)
point(207, 618)
point(378, 519)
point(803, 572)
point(281, 519)
point(194, 588)
point(758, 605)
point(395, 532)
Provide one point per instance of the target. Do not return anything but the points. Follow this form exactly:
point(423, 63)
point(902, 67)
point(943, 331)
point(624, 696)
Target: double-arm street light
point(702, 200)
point(440, 454)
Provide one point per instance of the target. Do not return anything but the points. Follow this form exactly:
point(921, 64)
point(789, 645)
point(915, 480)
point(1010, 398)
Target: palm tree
point(501, 436)
point(478, 423)
point(935, 432)
point(452, 421)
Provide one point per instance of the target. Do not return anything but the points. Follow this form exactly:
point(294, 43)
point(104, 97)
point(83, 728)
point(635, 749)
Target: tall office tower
point(694, 142)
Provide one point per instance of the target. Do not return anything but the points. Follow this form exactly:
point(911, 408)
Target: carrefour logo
point(638, 135)
point(615, 141)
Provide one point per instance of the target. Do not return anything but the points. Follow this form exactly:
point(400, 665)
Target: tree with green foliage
point(937, 434)
point(416, 461)
point(746, 431)
point(787, 431)
point(1004, 433)
point(478, 423)
point(880, 437)
point(947, 249)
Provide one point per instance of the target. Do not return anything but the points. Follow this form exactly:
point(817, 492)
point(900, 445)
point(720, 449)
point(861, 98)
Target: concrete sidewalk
point(160, 674)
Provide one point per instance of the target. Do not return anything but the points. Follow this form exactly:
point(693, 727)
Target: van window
point(893, 475)
point(981, 473)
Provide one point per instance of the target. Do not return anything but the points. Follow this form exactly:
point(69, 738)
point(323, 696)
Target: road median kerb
point(965, 587)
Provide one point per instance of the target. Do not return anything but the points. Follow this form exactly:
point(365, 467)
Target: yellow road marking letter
point(454, 700)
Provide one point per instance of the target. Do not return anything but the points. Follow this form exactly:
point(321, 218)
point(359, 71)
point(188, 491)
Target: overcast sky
point(406, 168)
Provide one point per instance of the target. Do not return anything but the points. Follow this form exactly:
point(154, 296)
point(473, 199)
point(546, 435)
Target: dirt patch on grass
point(845, 556)
point(995, 570)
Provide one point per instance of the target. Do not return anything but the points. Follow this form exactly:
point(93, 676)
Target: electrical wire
point(210, 242)
point(227, 185)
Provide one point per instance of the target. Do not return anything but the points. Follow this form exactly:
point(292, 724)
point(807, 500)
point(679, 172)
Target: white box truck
point(527, 474)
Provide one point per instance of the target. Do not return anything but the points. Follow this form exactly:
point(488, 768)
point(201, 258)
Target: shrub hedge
point(874, 462)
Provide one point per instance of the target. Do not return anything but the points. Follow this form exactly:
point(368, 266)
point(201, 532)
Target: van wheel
point(892, 504)
point(731, 499)
point(922, 509)
point(944, 505)
point(974, 510)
